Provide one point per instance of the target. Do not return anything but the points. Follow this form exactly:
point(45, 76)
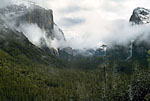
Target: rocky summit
point(140, 16)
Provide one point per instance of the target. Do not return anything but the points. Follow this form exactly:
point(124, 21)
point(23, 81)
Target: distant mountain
point(140, 16)
point(76, 58)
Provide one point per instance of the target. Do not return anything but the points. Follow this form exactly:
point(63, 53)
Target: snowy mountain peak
point(140, 16)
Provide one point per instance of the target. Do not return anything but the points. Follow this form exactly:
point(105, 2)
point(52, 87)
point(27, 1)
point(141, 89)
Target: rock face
point(40, 16)
point(16, 44)
point(140, 16)
point(43, 18)
point(20, 14)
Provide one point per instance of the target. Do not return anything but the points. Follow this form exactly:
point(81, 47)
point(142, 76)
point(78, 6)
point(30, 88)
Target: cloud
point(123, 32)
point(69, 22)
point(32, 32)
point(37, 36)
point(71, 9)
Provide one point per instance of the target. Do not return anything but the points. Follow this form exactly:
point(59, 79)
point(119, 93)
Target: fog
point(38, 36)
point(123, 32)
point(32, 32)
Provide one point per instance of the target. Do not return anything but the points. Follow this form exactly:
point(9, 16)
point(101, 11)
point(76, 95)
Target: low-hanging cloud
point(32, 32)
point(118, 33)
point(123, 32)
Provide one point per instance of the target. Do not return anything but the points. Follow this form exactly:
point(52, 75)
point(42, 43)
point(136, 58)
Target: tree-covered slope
point(29, 81)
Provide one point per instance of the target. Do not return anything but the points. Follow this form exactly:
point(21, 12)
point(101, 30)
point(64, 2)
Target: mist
point(118, 32)
point(123, 32)
point(32, 32)
point(37, 36)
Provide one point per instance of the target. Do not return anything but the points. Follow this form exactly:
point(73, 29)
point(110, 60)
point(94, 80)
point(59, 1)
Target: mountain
point(140, 16)
point(16, 44)
point(23, 18)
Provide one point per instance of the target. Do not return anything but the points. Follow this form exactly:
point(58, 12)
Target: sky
point(88, 22)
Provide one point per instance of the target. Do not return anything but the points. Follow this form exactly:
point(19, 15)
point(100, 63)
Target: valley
point(34, 68)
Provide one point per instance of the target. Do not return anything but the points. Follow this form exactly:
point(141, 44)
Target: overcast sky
point(89, 19)
point(80, 16)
